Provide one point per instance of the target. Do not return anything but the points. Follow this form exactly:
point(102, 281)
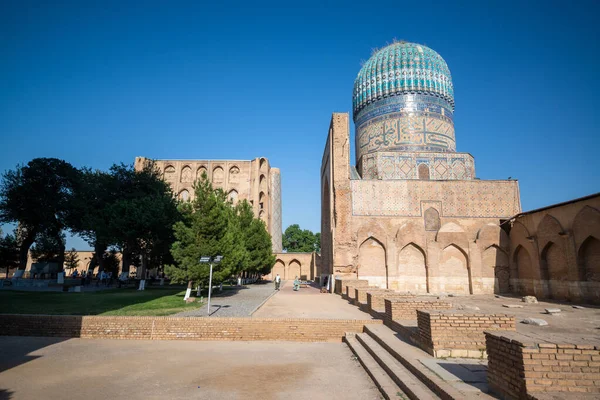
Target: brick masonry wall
point(520, 366)
point(340, 284)
point(406, 309)
point(448, 333)
point(177, 328)
point(360, 294)
point(375, 299)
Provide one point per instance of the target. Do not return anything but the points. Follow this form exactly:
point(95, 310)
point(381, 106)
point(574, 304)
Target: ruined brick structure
point(555, 251)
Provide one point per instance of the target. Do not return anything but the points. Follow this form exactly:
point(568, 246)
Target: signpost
point(215, 260)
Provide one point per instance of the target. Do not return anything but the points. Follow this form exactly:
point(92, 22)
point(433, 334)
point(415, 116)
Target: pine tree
point(71, 260)
point(209, 228)
point(257, 240)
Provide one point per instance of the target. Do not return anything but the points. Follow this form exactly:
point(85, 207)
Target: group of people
point(103, 278)
point(86, 277)
point(278, 283)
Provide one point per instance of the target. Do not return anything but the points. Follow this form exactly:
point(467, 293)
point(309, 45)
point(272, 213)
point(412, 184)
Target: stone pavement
point(52, 368)
point(235, 302)
point(308, 303)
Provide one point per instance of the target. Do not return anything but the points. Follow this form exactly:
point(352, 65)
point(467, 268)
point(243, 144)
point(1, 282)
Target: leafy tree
point(143, 216)
point(133, 210)
point(9, 252)
point(208, 228)
point(49, 247)
point(298, 240)
point(37, 196)
point(260, 258)
point(92, 217)
point(71, 260)
point(111, 262)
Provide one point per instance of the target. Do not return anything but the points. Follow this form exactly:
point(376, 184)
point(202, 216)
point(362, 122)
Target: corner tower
point(403, 108)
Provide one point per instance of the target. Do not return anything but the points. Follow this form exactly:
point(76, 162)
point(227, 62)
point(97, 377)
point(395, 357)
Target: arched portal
point(184, 195)
point(412, 271)
point(279, 268)
point(294, 269)
point(496, 267)
point(454, 271)
point(589, 259)
point(524, 271)
point(371, 263)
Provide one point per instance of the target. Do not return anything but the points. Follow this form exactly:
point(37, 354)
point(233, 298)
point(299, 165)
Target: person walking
point(277, 282)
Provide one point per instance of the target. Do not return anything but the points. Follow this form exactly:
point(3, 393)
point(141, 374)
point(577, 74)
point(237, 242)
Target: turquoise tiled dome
point(402, 68)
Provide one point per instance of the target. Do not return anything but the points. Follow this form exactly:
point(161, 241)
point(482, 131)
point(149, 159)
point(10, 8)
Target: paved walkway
point(88, 369)
point(308, 303)
point(234, 302)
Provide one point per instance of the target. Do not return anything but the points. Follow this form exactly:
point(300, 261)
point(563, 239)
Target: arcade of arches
point(463, 236)
point(292, 265)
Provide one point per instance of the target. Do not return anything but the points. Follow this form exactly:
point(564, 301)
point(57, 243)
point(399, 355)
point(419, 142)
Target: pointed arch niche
point(371, 262)
point(454, 271)
point(412, 270)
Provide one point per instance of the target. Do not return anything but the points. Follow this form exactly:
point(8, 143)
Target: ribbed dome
point(402, 68)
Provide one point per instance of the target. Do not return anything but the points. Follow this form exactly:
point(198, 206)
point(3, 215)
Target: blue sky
point(97, 84)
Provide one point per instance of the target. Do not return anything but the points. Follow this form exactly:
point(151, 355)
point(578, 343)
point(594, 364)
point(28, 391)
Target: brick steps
point(388, 388)
point(408, 356)
point(410, 384)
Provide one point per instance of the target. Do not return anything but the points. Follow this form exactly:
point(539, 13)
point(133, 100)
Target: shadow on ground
point(15, 355)
point(6, 394)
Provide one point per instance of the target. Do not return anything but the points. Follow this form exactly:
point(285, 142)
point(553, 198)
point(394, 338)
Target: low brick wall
point(350, 288)
point(458, 334)
point(397, 309)
point(178, 328)
point(360, 295)
point(519, 367)
point(375, 299)
point(340, 284)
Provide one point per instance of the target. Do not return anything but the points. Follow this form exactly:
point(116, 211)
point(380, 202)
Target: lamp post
point(214, 260)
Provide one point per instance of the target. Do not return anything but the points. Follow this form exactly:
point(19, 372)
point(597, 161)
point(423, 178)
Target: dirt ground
point(308, 303)
point(50, 368)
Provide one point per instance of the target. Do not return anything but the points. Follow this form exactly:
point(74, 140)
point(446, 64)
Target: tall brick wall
point(458, 334)
point(177, 328)
point(520, 366)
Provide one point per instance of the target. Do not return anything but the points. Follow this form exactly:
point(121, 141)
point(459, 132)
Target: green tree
point(257, 241)
point(111, 262)
point(208, 228)
point(38, 197)
point(71, 260)
point(92, 217)
point(132, 210)
point(302, 241)
point(143, 216)
point(9, 252)
point(49, 247)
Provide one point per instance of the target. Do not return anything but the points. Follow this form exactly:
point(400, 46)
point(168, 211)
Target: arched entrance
point(371, 263)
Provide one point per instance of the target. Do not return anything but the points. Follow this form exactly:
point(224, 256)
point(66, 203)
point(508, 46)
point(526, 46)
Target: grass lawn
point(152, 302)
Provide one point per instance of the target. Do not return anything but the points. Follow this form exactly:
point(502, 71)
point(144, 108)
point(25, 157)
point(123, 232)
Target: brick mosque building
point(252, 180)
point(411, 215)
